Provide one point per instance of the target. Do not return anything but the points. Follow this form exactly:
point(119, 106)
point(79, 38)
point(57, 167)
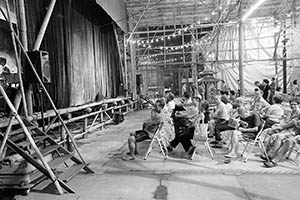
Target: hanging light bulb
point(156, 40)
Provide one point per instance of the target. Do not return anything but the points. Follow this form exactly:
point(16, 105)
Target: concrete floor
point(174, 178)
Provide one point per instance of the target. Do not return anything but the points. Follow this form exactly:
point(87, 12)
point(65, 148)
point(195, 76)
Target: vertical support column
point(17, 58)
point(194, 60)
point(284, 59)
point(24, 40)
point(22, 22)
point(125, 68)
point(241, 58)
point(133, 66)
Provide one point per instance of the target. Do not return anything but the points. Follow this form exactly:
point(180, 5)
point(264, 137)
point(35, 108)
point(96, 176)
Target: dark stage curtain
point(82, 50)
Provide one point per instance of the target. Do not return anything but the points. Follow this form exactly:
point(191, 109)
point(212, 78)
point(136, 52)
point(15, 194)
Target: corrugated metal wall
point(82, 50)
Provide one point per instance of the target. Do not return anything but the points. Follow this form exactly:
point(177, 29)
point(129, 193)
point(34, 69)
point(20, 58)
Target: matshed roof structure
point(177, 12)
point(171, 34)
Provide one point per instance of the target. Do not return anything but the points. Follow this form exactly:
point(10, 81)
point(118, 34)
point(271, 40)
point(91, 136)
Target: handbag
point(200, 133)
point(233, 123)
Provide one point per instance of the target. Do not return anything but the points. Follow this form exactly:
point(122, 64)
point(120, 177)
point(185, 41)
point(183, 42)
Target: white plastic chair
point(201, 135)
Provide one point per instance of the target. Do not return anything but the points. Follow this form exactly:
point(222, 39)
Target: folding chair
point(201, 135)
point(296, 149)
point(258, 141)
point(160, 141)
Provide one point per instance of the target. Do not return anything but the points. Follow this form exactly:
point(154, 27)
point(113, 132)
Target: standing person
point(259, 85)
point(294, 89)
point(187, 119)
point(183, 89)
point(259, 104)
point(278, 91)
point(273, 89)
point(222, 85)
point(266, 90)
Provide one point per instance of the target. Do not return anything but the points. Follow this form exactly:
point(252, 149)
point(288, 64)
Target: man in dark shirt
point(266, 90)
point(249, 127)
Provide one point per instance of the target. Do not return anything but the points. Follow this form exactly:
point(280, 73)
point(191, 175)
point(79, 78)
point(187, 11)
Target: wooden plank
point(20, 130)
point(36, 140)
point(36, 177)
point(71, 172)
point(47, 150)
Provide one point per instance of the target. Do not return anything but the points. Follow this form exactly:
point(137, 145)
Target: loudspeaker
point(139, 79)
point(40, 60)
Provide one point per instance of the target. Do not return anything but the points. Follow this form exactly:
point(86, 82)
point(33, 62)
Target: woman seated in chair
point(149, 128)
point(274, 113)
point(186, 122)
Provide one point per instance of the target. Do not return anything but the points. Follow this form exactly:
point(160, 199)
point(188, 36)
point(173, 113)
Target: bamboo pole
point(125, 68)
point(241, 58)
point(8, 129)
point(23, 27)
point(42, 31)
point(28, 135)
point(24, 39)
point(17, 58)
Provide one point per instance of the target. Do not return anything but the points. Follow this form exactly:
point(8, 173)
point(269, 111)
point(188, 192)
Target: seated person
point(249, 127)
point(167, 131)
point(259, 104)
point(295, 111)
point(204, 108)
point(227, 103)
point(220, 117)
point(148, 130)
point(170, 104)
point(281, 152)
point(274, 112)
point(179, 123)
point(276, 149)
point(186, 132)
point(271, 132)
